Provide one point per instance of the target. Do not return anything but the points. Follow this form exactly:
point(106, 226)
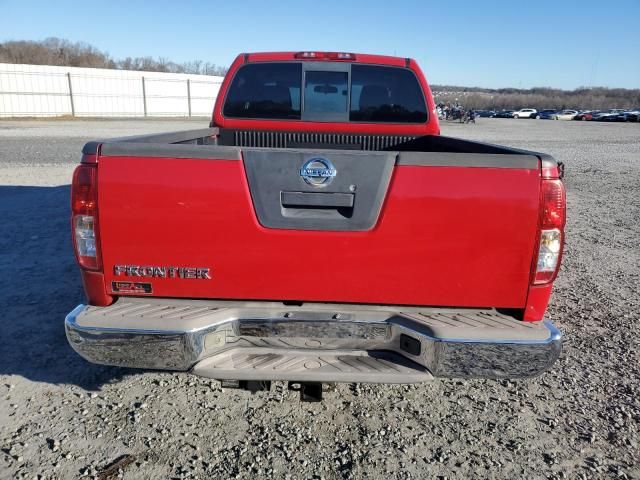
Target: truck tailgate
point(418, 232)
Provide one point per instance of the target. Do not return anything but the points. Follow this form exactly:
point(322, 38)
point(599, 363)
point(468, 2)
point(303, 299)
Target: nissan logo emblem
point(318, 172)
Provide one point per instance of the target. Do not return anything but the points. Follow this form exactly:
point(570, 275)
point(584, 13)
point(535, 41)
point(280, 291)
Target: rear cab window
point(386, 94)
point(326, 91)
point(270, 90)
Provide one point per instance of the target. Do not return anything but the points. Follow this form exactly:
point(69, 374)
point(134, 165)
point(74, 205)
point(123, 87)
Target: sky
point(493, 44)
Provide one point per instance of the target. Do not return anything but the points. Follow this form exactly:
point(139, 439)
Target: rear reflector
point(84, 221)
point(553, 207)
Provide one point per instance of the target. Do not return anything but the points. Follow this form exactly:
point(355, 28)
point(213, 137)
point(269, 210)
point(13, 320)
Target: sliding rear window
point(326, 91)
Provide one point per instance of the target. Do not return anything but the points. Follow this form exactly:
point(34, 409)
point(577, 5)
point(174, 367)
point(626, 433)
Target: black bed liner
point(228, 143)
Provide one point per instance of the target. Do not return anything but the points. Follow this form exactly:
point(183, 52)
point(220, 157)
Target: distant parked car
point(633, 115)
point(503, 114)
point(545, 114)
point(525, 113)
point(565, 115)
point(485, 113)
point(626, 116)
point(612, 115)
point(587, 115)
point(600, 115)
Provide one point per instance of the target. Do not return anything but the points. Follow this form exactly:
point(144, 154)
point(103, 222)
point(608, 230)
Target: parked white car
point(565, 115)
point(525, 113)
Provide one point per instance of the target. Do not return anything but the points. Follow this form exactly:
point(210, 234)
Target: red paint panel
point(537, 302)
point(448, 236)
point(95, 288)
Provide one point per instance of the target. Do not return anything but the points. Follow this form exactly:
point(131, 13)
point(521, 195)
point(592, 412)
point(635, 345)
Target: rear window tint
point(362, 93)
point(326, 92)
point(386, 94)
point(265, 90)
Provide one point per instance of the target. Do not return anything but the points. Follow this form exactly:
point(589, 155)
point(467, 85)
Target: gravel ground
point(61, 417)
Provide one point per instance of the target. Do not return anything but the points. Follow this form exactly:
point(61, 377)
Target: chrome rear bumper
point(311, 342)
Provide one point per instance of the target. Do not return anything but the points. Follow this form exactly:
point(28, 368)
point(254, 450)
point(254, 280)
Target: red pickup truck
point(320, 230)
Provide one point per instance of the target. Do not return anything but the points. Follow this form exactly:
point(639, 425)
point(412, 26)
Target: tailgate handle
point(316, 200)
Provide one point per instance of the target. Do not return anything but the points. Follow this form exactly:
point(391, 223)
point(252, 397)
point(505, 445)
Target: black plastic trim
point(481, 160)
point(311, 199)
point(91, 148)
point(366, 175)
point(196, 137)
point(210, 152)
point(410, 344)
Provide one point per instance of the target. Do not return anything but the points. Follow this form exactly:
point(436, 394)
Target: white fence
point(47, 91)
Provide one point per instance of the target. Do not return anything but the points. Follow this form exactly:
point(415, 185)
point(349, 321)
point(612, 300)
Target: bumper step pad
point(317, 366)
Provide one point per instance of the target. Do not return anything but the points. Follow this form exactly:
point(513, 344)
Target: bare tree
point(538, 97)
point(57, 51)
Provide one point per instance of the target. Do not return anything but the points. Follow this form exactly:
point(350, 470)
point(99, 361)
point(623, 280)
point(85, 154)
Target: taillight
point(325, 55)
point(84, 221)
point(553, 205)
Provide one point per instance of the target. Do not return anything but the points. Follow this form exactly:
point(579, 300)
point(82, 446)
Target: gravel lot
point(61, 417)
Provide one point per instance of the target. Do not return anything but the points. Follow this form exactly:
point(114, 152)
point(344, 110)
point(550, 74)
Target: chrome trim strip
point(71, 320)
point(555, 333)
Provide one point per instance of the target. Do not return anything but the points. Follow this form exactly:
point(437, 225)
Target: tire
point(537, 117)
point(583, 119)
point(516, 117)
